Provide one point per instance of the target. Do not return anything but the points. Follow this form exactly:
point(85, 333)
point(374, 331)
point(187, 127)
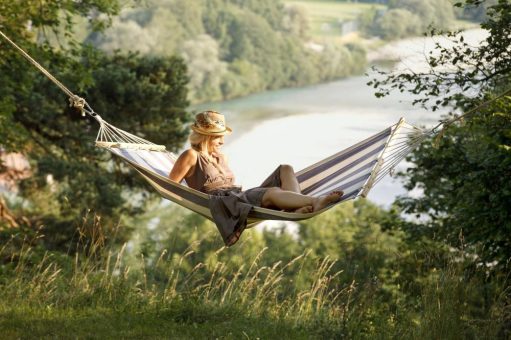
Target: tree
point(121, 36)
point(265, 37)
point(206, 69)
point(242, 79)
point(467, 192)
point(144, 95)
point(296, 22)
point(398, 23)
point(271, 11)
point(436, 13)
point(352, 234)
point(466, 179)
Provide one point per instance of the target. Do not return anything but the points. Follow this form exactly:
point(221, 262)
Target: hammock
point(354, 170)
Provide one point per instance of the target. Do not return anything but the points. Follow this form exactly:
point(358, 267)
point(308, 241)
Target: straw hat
point(210, 123)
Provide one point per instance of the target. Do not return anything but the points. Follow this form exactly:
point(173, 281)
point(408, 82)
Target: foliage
point(68, 173)
point(460, 72)
point(267, 284)
point(405, 18)
point(465, 180)
point(232, 48)
point(399, 23)
point(435, 13)
point(296, 21)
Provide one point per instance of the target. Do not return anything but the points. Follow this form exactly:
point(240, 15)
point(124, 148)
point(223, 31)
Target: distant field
point(325, 16)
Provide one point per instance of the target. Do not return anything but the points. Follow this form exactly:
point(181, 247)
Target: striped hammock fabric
point(354, 170)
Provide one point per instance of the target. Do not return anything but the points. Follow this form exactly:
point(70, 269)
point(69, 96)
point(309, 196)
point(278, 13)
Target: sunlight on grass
point(97, 292)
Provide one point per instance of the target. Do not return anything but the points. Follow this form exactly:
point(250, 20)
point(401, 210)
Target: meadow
point(258, 290)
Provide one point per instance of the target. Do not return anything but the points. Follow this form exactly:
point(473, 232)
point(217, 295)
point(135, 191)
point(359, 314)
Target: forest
point(87, 249)
point(234, 48)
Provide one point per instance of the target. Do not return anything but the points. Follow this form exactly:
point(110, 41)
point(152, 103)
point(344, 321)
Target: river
point(300, 126)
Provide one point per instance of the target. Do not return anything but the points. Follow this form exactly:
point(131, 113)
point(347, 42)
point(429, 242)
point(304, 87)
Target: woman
point(205, 168)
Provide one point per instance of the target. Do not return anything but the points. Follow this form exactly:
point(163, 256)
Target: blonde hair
point(202, 144)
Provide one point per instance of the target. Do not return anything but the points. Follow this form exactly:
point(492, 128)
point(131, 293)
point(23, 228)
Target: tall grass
point(98, 278)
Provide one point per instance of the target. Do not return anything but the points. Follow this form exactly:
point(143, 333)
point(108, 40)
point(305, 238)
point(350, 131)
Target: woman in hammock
point(205, 168)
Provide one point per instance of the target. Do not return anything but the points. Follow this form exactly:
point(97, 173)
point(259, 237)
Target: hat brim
point(197, 129)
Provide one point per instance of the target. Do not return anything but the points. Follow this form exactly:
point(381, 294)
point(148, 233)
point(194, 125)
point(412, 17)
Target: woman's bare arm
point(183, 165)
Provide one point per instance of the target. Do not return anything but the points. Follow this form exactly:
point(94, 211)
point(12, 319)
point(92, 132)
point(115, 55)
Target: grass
point(192, 322)
point(96, 294)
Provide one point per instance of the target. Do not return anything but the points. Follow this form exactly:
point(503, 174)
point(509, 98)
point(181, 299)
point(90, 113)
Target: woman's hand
point(184, 166)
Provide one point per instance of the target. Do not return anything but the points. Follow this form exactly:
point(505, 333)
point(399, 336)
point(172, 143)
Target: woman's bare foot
point(322, 201)
point(304, 210)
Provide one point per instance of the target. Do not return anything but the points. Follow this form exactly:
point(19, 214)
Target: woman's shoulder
point(189, 156)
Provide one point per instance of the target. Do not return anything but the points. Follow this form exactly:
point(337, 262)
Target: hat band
point(214, 131)
point(201, 129)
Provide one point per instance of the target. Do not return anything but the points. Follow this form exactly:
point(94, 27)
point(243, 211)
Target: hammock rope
point(446, 123)
point(74, 100)
point(108, 135)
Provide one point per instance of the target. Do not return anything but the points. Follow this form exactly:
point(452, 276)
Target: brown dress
point(229, 205)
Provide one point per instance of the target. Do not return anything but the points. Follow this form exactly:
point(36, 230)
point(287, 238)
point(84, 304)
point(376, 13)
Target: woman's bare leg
point(283, 199)
point(289, 182)
point(288, 179)
point(304, 210)
point(288, 200)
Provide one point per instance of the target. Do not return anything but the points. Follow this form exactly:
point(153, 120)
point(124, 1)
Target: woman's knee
point(286, 168)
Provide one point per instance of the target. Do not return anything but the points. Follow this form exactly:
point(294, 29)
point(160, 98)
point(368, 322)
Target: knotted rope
point(108, 135)
point(74, 100)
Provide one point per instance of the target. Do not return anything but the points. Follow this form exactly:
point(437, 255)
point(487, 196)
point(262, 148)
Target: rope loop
point(77, 102)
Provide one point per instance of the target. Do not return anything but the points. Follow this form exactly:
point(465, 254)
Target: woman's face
point(216, 143)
